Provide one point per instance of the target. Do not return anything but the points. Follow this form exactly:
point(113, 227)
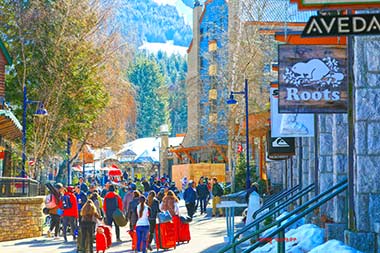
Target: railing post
point(281, 241)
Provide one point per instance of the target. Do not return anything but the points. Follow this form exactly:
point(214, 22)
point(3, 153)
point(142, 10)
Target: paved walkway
point(207, 236)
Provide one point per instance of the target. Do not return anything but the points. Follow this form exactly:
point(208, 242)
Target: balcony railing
point(18, 187)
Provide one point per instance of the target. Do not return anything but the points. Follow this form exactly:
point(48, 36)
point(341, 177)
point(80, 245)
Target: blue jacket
point(190, 195)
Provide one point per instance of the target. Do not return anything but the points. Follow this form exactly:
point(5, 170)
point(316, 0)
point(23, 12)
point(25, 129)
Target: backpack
point(66, 202)
point(50, 201)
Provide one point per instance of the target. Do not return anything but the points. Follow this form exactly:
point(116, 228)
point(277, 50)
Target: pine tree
point(151, 96)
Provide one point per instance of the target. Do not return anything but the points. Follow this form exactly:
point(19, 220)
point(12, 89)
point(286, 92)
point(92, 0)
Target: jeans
point(142, 234)
point(152, 227)
point(54, 224)
point(87, 234)
point(117, 228)
point(203, 204)
point(69, 220)
point(190, 209)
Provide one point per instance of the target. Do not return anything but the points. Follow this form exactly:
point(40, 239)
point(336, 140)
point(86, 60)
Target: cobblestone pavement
point(207, 235)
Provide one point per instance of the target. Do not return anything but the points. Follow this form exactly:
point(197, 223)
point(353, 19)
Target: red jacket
point(73, 211)
point(110, 195)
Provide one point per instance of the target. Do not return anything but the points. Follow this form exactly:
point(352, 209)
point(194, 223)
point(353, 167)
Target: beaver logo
point(323, 72)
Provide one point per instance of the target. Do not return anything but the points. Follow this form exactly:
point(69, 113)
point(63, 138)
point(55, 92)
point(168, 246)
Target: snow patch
point(168, 47)
point(334, 246)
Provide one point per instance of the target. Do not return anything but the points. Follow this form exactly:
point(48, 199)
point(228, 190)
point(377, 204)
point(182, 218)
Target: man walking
point(217, 192)
point(203, 194)
point(111, 202)
point(190, 196)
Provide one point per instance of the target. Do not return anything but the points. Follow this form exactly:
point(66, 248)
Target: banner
point(289, 125)
point(312, 79)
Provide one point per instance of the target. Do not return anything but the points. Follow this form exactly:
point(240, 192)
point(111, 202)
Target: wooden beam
point(296, 39)
point(220, 151)
point(187, 153)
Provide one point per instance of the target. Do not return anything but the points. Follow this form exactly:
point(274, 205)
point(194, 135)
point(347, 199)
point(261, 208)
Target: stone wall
point(20, 218)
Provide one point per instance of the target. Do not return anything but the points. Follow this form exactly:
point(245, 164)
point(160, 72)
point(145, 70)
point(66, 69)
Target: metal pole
point(351, 136)
point(300, 157)
point(316, 158)
point(286, 174)
point(247, 179)
point(24, 107)
point(68, 160)
point(291, 171)
point(84, 163)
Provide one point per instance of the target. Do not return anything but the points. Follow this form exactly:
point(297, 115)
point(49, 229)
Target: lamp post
point(158, 164)
point(232, 101)
point(41, 111)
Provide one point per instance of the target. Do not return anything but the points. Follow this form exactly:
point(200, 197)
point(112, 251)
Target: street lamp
point(158, 164)
point(41, 112)
point(232, 101)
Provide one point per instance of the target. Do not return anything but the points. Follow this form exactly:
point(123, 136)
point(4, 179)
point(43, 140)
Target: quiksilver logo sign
point(361, 24)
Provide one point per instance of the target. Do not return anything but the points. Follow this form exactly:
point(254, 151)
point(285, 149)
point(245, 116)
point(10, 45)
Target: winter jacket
point(202, 191)
point(111, 202)
point(81, 199)
point(144, 219)
point(132, 212)
point(217, 190)
point(190, 195)
point(73, 210)
point(154, 209)
point(126, 200)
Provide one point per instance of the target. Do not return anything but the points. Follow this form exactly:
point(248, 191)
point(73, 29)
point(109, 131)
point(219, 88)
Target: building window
point(212, 70)
point(212, 46)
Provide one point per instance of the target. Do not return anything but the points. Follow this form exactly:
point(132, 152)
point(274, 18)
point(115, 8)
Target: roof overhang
point(10, 127)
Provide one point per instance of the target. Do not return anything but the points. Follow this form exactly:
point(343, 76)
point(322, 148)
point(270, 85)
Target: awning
point(10, 127)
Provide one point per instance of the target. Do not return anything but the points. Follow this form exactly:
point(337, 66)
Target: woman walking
point(154, 205)
point(87, 225)
point(142, 225)
point(170, 203)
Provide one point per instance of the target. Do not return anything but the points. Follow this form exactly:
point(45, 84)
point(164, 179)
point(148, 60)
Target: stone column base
point(362, 241)
point(335, 231)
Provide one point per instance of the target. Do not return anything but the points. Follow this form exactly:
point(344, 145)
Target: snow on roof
point(139, 146)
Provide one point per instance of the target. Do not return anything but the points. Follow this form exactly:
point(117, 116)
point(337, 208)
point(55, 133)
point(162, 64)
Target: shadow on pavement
point(214, 248)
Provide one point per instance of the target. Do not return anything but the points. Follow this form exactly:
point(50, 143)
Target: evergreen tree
point(151, 96)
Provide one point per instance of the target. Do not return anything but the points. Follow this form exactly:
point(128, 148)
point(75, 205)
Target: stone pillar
point(367, 144)
point(325, 171)
point(311, 165)
point(339, 147)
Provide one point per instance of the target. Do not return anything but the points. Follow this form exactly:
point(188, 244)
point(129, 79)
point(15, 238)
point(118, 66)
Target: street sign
point(280, 146)
point(361, 24)
point(312, 79)
point(335, 4)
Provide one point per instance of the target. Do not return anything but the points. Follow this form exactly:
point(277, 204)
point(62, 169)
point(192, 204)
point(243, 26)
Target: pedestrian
point(190, 196)
point(142, 224)
point(70, 211)
point(184, 183)
point(203, 194)
point(161, 195)
point(146, 186)
point(154, 205)
point(81, 199)
point(123, 189)
point(217, 192)
point(87, 225)
point(132, 213)
point(128, 197)
point(55, 216)
point(83, 186)
point(170, 203)
point(105, 189)
point(111, 202)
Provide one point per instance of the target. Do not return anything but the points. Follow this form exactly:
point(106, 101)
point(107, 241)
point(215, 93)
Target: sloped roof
point(5, 53)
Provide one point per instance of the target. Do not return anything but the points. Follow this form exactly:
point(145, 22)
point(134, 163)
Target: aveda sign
point(363, 24)
point(312, 79)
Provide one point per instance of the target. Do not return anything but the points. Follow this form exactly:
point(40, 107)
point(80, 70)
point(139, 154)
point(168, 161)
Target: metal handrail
point(275, 199)
point(280, 231)
point(257, 221)
point(256, 233)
